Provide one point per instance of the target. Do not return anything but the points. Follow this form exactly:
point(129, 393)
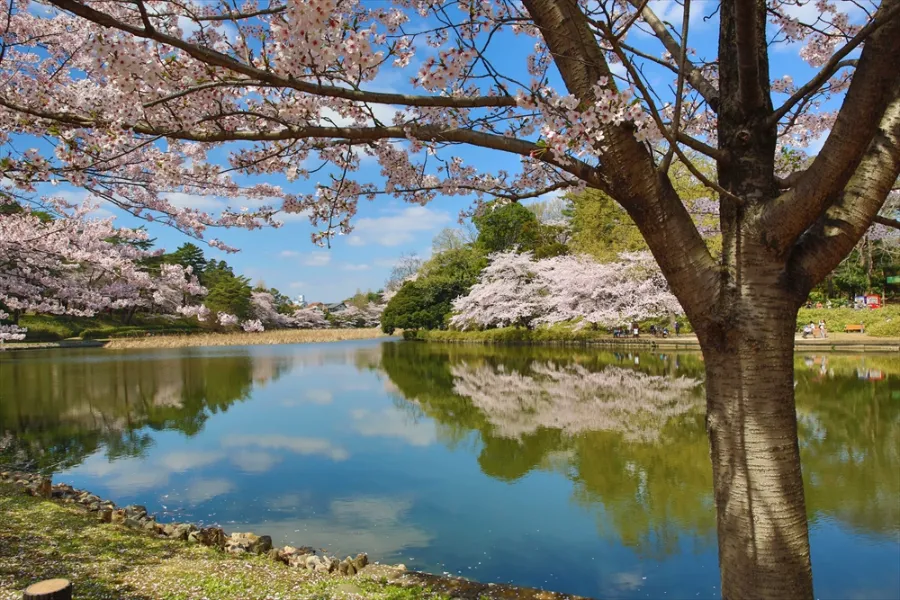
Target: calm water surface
point(573, 470)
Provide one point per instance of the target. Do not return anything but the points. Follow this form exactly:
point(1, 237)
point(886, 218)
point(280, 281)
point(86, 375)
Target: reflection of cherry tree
point(574, 400)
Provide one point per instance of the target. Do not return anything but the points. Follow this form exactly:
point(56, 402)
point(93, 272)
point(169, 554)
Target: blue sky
point(387, 228)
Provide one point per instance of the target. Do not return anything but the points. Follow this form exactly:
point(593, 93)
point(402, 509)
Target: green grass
point(880, 322)
point(43, 540)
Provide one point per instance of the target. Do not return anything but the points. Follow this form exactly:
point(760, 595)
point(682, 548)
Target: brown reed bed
point(277, 336)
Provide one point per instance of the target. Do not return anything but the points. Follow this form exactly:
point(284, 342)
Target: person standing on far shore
point(815, 330)
point(822, 328)
point(677, 328)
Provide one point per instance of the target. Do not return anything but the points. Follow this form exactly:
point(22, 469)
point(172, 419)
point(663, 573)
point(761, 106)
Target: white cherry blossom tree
point(133, 99)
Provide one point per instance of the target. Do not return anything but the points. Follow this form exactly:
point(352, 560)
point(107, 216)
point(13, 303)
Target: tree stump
point(52, 589)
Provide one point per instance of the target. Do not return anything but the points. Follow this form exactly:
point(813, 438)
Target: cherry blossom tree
point(309, 318)
point(262, 308)
point(135, 98)
point(353, 316)
point(67, 263)
point(517, 290)
point(252, 326)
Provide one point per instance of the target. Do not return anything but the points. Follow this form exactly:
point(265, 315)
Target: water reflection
point(586, 472)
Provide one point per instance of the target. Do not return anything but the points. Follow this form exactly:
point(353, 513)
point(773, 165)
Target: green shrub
point(836, 319)
point(886, 328)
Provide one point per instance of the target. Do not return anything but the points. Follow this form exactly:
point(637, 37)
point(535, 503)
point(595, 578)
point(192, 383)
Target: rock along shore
point(137, 518)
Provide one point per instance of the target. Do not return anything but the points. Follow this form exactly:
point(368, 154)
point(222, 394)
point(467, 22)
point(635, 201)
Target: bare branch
point(693, 75)
point(887, 222)
point(679, 89)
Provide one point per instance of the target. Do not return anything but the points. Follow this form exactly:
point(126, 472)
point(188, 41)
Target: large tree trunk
point(752, 426)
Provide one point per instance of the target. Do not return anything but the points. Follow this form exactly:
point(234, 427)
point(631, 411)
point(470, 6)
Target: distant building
point(336, 307)
point(300, 301)
point(319, 306)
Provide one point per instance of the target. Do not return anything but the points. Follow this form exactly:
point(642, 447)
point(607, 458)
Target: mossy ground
point(42, 539)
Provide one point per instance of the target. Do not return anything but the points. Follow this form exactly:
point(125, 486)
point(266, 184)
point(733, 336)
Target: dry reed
point(278, 336)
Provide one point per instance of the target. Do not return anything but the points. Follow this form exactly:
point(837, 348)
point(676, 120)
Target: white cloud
point(204, 203)
point(386, 262)
point(397, 229)
point(359, 267)
point(288, 253)
point(317, 259)
point(297, 285)
point(213, 204)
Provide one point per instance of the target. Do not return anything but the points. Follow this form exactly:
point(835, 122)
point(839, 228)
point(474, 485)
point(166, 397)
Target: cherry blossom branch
point(873, 89)
point(213, 57)
point(835, 63)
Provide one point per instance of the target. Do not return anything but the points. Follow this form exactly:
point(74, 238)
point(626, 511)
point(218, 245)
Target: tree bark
point(752, 426)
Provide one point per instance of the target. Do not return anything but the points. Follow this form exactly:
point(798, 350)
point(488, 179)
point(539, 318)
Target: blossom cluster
point(515, 289)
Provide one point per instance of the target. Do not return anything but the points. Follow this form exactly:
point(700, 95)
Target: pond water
point(574, 470)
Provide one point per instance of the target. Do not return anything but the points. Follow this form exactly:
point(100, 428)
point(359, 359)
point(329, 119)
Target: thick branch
point(650, 200)
point(215, 58)
point(834, 63)
point(835, 234)
point(746, 25)
point(693, 74)
point(871, 91)
point(434, 133)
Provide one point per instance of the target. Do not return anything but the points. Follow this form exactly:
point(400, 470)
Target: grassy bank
point(52, 328)
point(514, 336)
point(44, 540)
point(881, 322)
point(278, 336)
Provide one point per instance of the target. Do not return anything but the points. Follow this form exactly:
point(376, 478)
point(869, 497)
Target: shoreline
point(685, 342)
point(836, 342)
point(271, 337)
point(242, 564)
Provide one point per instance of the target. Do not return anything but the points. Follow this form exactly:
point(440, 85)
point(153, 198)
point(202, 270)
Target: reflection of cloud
point(129, 475)
point(370, 511)
point(125, 476)
point(299, 445)
point(379, 526)
point(319, 396)
point(202, 490)
point(392, 423)
point(252, 461)
point(289, 502)
point(179, 462)
point(626, 581)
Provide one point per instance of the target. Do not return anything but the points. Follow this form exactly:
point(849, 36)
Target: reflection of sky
point(321, 456)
